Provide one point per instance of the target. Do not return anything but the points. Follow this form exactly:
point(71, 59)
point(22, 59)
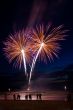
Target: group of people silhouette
point(27, 97)
point(16, 97)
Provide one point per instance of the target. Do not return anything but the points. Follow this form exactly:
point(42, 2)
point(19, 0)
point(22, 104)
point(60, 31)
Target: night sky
point(18, 14)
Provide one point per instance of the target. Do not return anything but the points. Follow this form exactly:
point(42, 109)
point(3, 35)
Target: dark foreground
point(35, 105)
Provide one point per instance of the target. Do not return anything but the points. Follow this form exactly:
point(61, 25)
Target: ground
point(35, 105)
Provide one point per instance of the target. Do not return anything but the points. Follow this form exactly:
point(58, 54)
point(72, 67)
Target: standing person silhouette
point(37, 96)
point(30, 97)
point(26, 97)
point(14, 96)
point(40, 96)
point(18, 97)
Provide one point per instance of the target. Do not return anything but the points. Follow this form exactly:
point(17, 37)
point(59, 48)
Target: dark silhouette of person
point(14, 96)
point(40, 96)
point(69, 97)
point(37, 96)
point(30, 97)
point(18, 97)
point(26, 97)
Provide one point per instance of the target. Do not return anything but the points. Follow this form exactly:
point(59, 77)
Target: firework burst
point(17, 49)
point(46, 43)
point(41, 42)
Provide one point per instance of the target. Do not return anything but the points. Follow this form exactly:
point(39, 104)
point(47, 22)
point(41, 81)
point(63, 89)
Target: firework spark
point(46, 43)
point(17, 50)
point(24, 61)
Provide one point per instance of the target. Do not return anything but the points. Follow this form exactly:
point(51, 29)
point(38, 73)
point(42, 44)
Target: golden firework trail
point(17, 49)
point(46, 43)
